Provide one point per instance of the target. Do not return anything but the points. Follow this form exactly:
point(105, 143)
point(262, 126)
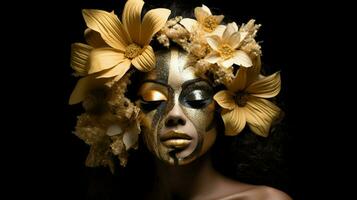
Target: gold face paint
point(178, 110)
point(153, 92)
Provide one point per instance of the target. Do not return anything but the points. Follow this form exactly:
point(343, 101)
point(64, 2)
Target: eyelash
point(149, 105)
point(200, 103)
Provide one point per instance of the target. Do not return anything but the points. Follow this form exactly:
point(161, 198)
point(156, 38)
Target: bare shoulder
point(254, 192)
point(268, 193)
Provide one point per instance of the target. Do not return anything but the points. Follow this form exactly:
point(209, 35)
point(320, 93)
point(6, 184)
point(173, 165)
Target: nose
point(175, 117)
point(173, 121)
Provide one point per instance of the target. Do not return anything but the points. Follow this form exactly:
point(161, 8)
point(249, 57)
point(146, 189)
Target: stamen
point(241, 99)
point(132, 51)
point(226, 51)
point(209, 24)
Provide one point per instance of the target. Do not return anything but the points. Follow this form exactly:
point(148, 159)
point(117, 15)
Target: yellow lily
point(244, 102)
point(125, 44)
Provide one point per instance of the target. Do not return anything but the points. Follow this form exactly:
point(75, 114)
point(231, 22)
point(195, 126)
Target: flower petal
point(206, 9)
point(218, 30)
point(131, 136)
point(201, 14)
point(104, 58)
point(260, 114)
point(243, 35)
point(218, 18)
point(226, 63)
point(242, 59)
point(109, 27)
point(234, 121)
point(94, 39)
point(254, 71)
point(146, 60)
point(212, 57)
point(153, 21)
point(213, 41)
point(85, 85)
point(239, 82)
point(79, 58)
point(189, 24)
point(131, 19)
point(224, 98)
point(266, 87)
point(230, 29)
point(118, 71)
point(234, 40)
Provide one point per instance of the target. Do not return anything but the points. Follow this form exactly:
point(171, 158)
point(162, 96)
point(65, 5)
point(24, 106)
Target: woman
point(176, 102)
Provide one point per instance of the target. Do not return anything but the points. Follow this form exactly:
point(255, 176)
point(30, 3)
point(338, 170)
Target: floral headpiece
point(116, 48)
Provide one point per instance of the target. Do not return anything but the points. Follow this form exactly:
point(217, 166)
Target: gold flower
point(125, 44)
point(226, 50)
point(244, 102)
point(206, 22)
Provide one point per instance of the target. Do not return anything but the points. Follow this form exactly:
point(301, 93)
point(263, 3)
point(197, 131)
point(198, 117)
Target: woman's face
point(178, 109)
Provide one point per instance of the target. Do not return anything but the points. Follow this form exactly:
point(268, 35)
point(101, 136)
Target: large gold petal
point(201, 14)
point(239, 81)
point(83, 87)
point(131, 19)
point(213, 41)
point(254, 71)
point(79, 58)
point(153, 21)
point(234, 121)
point(118, 71)
point(94, 39)
point(224, 98)
point(146, 60)
point(104, 58)
point(242, 59)
point(260, 114)
point(189, 24)
point(109, 27)
point(266, 87)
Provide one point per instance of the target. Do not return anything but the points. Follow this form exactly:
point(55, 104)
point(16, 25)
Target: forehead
point(172, 68)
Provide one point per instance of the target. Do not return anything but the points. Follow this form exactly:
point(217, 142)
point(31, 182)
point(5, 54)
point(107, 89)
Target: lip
point(175, 139)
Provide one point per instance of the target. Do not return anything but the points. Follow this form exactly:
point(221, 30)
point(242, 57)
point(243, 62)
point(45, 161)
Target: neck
point(186, 181)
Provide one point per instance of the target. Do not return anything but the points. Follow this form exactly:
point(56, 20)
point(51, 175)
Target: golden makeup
point(178, 110)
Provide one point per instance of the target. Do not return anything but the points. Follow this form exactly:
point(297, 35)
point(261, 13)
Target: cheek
point(203, 120)
point(152, 123)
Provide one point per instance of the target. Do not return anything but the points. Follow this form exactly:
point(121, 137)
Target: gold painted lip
point(173, 135)
point(177, 143)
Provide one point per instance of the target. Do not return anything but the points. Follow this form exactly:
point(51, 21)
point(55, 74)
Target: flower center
point(241, 99)
point(132, 51)
point(209, 24)
point(226, 51)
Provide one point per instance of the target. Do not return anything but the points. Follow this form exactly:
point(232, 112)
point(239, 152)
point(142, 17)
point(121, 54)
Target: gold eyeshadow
point(153, 92)
point(153, 95)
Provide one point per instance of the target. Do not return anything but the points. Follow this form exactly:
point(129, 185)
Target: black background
point(299, 38)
